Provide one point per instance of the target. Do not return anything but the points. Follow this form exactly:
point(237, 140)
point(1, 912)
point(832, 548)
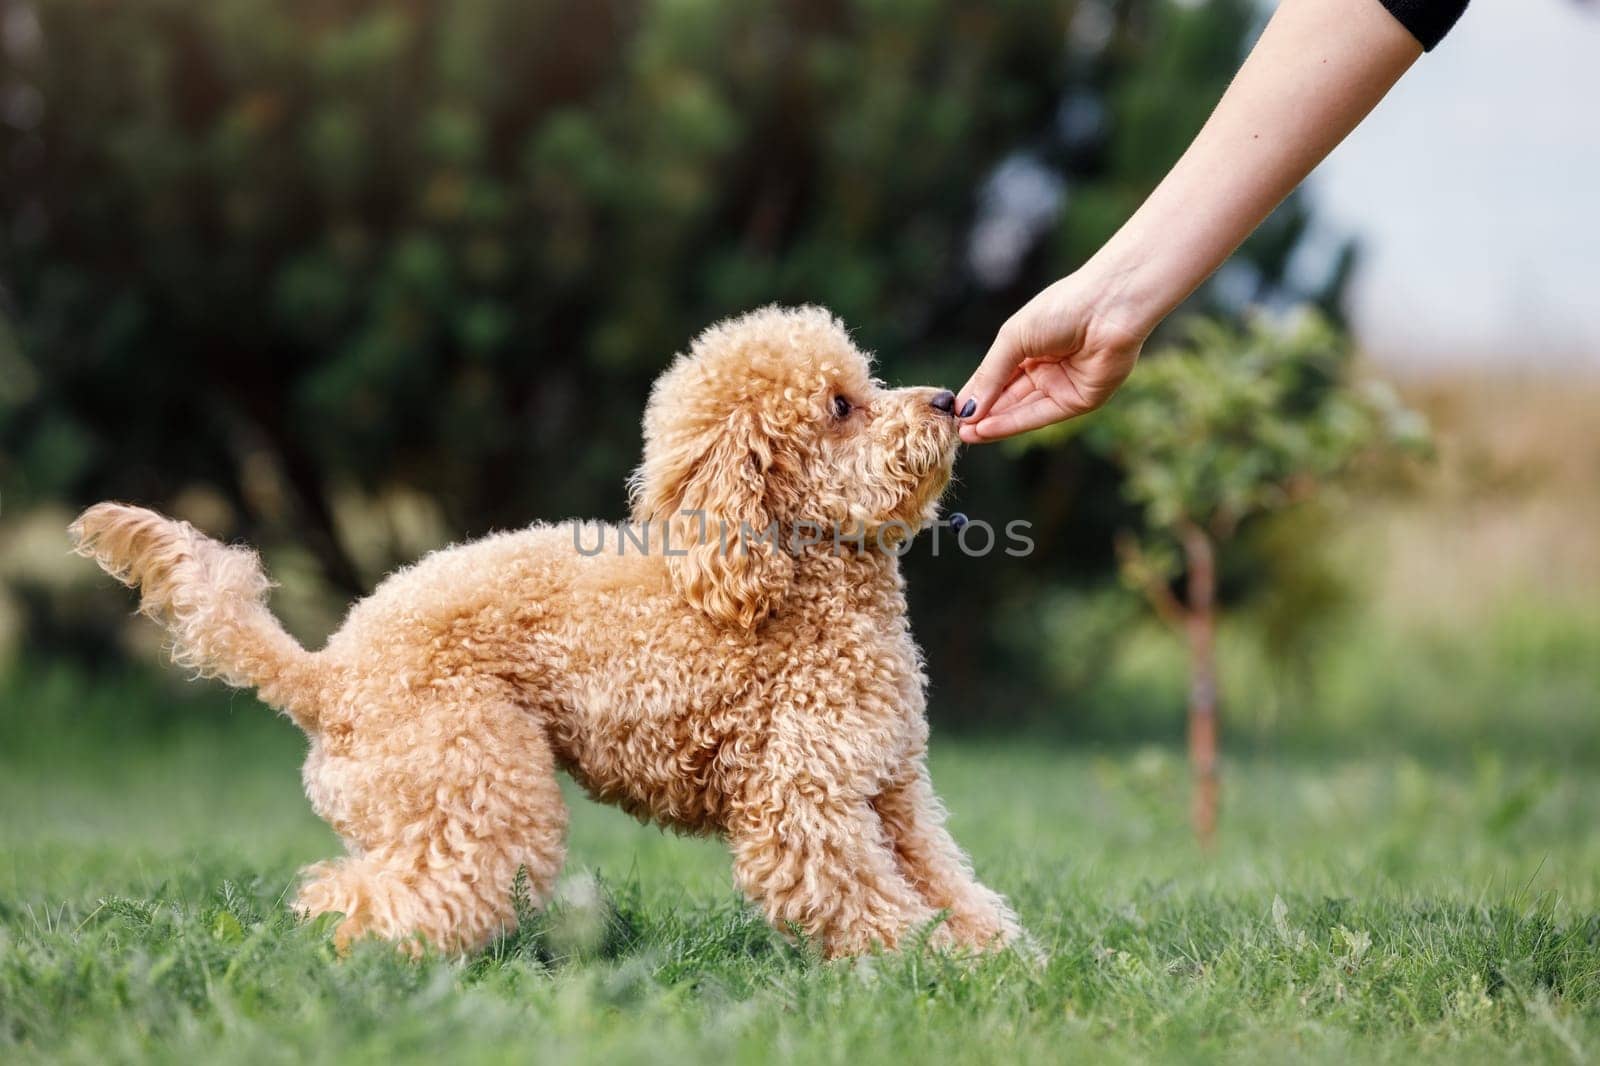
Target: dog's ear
point(723, 550)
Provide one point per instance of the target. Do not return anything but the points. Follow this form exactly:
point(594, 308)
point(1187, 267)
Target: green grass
point(1359, 909)
point(1520, 679)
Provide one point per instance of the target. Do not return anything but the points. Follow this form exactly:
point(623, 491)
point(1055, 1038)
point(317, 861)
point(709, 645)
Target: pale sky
point(1475, 190)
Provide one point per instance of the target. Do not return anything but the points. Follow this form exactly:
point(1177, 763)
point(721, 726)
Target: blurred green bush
point(264, 261)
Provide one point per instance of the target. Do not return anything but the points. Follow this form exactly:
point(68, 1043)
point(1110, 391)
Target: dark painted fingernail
point(957, 521)
point(968, 407)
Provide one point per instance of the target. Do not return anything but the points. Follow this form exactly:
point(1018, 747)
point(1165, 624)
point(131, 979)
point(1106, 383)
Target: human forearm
point(1318, 69)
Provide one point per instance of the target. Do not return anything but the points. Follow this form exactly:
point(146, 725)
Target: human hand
point(1317, 69)
point(1060, 356)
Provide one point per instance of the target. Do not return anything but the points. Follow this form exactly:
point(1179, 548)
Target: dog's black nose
point(944, 400)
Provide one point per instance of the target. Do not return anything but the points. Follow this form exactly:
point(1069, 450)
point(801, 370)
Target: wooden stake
point(1201, 626)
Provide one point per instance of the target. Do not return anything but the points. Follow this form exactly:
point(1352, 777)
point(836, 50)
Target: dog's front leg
point(821, 865)
point(934, 863)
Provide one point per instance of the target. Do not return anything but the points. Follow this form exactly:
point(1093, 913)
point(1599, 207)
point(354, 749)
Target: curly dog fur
point(770, 693)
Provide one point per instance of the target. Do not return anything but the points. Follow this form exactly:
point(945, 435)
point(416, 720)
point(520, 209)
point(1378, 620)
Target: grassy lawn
point(1356, 909)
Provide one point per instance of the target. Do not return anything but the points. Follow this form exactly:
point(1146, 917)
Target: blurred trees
point(294, 252)
point(1234, 425)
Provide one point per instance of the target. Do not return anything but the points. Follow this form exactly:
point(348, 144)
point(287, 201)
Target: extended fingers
point(994, 374)
point(1035, 413)
point(1022, 387)
point(1019, 391)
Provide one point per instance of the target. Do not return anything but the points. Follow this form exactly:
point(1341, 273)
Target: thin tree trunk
point(1201, 626)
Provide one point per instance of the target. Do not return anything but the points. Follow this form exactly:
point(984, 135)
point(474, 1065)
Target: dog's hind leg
point(455, 821)
point(934, 863)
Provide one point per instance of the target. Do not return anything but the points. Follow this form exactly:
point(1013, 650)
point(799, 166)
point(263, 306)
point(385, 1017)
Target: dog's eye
point(841, 407)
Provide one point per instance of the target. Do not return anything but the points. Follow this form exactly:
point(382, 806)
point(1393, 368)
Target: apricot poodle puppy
point(725, 663)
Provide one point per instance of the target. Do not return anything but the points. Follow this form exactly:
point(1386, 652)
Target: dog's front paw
point(980, 933)
point(992, 934)
point(984, 924)
point(886, 930)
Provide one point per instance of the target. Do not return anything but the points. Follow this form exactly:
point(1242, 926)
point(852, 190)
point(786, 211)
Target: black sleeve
point(1428, 20)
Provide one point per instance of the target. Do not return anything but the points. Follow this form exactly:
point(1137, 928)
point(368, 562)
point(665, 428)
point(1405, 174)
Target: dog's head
point(773, 421)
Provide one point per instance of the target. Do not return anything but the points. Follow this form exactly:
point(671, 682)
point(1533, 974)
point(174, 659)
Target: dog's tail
point(210, 597)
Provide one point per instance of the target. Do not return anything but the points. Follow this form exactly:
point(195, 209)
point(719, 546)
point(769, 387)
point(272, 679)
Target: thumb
point(994, 373)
